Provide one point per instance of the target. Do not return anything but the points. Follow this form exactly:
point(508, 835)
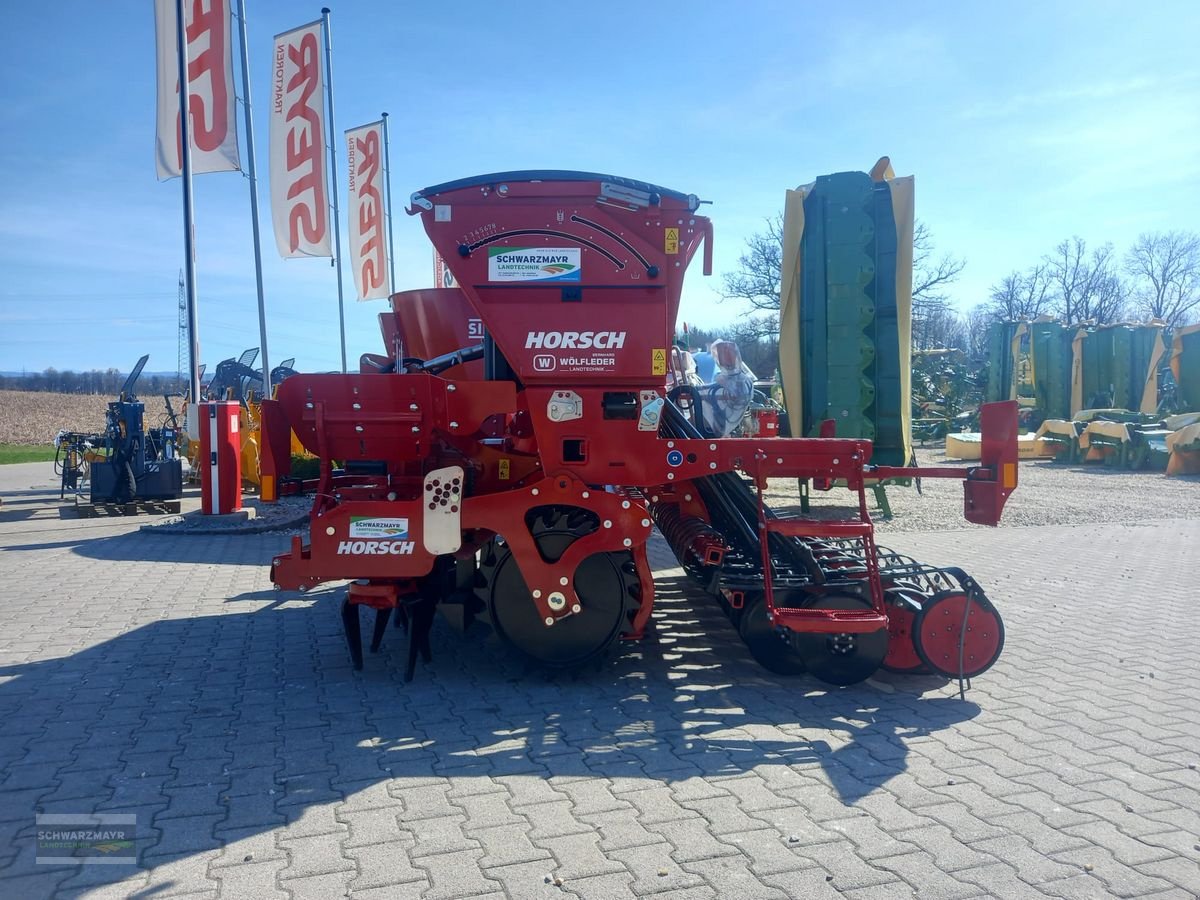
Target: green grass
point(23, 453)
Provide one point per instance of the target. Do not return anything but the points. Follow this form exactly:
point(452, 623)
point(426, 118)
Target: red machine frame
point(576, 279)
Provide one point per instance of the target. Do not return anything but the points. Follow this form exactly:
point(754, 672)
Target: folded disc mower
point(511, 451)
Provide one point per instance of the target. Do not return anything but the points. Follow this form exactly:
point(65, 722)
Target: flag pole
point(333, 171)
point(189, 249)
point(258, 275)
point(387, 177)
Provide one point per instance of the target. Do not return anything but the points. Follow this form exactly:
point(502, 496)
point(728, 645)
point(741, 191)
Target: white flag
point(368, 249)
point(211, 100)
point(299, 184)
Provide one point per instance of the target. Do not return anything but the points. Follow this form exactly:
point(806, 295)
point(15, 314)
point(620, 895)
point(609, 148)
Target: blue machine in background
point(135, 463)
point(141, 464)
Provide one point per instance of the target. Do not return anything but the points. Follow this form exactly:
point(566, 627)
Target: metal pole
point(258, 276)
point(333, 172)
point(387, 177)
point(189, 249)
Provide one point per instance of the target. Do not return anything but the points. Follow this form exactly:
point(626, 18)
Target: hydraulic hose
point(734, 507)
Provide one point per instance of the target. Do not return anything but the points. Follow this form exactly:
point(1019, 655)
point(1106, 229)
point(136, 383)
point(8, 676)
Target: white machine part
point(443, 496)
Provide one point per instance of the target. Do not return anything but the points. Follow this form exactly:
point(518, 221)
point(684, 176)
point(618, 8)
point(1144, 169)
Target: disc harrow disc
point(902, 657)
point(606, 584)
point(841, 659)
point(768, 647)
point(949, 648)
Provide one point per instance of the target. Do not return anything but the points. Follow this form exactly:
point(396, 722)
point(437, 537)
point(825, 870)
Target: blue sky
point(1023, 123)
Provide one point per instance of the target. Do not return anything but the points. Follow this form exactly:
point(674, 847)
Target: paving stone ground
point(160, 676)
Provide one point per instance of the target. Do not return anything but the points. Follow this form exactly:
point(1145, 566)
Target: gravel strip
point(1047, 493)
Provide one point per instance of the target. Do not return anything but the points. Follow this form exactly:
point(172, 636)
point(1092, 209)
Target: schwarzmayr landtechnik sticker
point(378, 527)
point(533, 264)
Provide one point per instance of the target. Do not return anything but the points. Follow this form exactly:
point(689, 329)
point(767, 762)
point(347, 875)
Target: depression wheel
point(902, 657)
point(606, 583)
point(952, 647)
point(846, 658)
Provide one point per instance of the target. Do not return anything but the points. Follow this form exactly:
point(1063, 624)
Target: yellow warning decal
point(505, 469)
point(658, 362)
point(670, 245)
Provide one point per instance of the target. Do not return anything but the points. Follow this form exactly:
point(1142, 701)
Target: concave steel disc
point(768, 647)
point(841, 659)
point(939, 630)
point(606, 584)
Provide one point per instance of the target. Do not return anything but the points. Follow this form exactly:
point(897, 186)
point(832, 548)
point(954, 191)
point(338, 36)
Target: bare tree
point(760, 269)
point(1110, 302)
point(976, 326)
point(934, 323)
point(931, 276)
point(939, 328)
point(1086, 284)
point(1022, 294)
point(1165, 267)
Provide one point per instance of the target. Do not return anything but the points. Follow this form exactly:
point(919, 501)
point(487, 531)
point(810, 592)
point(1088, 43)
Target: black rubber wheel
point(606, 583)
point(766, 644)
point(841, 659)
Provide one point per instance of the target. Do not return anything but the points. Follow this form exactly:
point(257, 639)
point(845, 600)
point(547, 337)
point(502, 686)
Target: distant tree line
point(1158, 277)
point(95, 381)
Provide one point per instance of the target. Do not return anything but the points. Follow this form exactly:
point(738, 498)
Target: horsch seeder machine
point(511, 453)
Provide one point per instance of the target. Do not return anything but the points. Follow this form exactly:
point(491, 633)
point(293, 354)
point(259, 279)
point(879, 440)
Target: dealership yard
point(159, 676)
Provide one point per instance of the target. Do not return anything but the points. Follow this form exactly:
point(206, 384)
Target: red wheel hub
point(958, 636)
point(902, 655)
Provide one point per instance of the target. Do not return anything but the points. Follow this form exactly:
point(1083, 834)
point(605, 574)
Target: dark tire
point(768, 647)
point(606, 583)
point(841, 659)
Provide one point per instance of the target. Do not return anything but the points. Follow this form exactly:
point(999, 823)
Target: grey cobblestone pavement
point(160, 676)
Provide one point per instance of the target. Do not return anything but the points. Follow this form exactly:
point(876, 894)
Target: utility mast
point(184, 364)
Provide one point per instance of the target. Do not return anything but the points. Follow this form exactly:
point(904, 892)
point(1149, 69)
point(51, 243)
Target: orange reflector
point(1010, 475)
point(266, 490)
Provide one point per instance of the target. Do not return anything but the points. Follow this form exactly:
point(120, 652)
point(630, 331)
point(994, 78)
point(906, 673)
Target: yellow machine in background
point(234, 380)
point(250, 423)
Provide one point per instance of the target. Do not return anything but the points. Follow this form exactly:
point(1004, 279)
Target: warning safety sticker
point(658, 361)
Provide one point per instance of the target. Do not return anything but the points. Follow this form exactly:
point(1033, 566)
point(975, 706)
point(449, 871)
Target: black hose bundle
point(733, 508)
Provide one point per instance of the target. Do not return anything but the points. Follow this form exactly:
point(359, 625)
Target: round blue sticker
point(674, 458)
